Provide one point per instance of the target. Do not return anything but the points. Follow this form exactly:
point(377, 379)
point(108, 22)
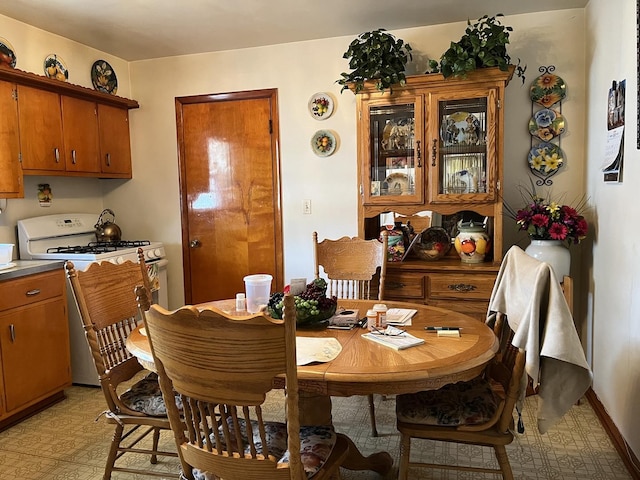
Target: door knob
point(195, 243)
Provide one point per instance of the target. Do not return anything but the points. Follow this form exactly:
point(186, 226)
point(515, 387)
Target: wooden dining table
point(365, 367)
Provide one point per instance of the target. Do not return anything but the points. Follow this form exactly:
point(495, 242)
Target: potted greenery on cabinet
point(377, 56)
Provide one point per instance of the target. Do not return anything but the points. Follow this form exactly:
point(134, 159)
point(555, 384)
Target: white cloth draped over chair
point(527, 291)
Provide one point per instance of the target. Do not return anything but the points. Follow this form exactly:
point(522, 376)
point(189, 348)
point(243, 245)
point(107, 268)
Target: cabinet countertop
point(29, 267)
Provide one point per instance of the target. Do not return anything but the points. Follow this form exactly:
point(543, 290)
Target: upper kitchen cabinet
point(10, 174)
point(115, 146)
point(61, 129)
point(434, 144)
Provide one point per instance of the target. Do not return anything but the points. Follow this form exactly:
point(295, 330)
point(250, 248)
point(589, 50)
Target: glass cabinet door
point(394, 170)
point(462, 157)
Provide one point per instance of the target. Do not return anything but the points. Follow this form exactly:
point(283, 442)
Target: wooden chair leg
point(156, 440)
point(113, 452)
point(503, 461)
point(372, 416)
point(405, 452)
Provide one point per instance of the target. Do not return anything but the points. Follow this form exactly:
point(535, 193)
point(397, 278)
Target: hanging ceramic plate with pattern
point(548, 89)
point(104, 77)
point(54, 67)
point(545, 159)
point(7, 54)
point(321, 106)
point(323, 143)
point(546, 124)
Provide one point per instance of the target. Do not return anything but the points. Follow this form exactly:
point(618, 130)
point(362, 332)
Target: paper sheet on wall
point(612, 149)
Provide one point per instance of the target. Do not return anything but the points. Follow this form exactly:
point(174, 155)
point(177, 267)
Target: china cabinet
point(35, 362)
point(435, 145)
point(60, 129)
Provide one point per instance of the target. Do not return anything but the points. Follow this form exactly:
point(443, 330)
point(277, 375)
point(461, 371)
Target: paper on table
point(310, 349)
point(400, 316)
point(397, 342)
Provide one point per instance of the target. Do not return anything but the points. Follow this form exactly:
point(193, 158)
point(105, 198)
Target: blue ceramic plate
point(545, 158)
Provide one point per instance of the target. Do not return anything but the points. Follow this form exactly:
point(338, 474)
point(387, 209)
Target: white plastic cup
point(258, 290)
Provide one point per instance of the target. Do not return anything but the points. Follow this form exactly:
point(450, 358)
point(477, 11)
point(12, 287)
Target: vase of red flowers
point(551, 228)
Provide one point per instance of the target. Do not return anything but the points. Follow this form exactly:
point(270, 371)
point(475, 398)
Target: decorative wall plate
point(321, 106)
point(7, 54)
point(397, 184)
point(104, 77)
point(323, 143)
point(545, 159)
point(548, 89)
point(546, 124)
point(460, 128)
point(54, 67)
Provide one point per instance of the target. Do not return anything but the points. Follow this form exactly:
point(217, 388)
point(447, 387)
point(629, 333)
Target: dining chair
point(104, 294)
point(351, 265)
point(222, 368)
point(477, 412)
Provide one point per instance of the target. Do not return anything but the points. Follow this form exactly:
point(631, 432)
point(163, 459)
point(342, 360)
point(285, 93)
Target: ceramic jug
point(472, 242)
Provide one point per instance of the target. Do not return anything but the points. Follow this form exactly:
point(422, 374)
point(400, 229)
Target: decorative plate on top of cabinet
point(104, 77)
point(7, 54)
point(321, 106)
point(54, 67)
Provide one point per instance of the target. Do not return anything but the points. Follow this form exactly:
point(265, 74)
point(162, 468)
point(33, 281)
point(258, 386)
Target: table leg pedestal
point(316, 410)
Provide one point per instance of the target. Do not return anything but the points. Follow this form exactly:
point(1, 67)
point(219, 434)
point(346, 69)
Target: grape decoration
point(312, 305)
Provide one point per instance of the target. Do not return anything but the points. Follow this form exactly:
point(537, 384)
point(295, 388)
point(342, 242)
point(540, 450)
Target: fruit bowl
point(433, 244)
point(313, 307)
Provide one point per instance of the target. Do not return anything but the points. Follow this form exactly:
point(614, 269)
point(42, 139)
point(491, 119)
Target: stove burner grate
point(99, 247)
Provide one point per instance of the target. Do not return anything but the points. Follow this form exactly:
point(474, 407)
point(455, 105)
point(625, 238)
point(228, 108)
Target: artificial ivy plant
point(377, 56)
point(484, 44)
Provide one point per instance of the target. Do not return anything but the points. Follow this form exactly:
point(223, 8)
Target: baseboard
point(629, 459)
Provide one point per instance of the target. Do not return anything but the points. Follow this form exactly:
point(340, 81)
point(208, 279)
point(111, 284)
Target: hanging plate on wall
point(548, 89)
point(545, 159)
point(104, 77)
point(546, 124)
point(7, 54)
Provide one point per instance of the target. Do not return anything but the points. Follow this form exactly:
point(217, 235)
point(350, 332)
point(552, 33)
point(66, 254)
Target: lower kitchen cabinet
point(445, 283)
point(34, 343)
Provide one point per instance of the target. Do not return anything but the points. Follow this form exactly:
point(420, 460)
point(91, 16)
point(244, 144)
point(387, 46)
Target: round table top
point(365, 367)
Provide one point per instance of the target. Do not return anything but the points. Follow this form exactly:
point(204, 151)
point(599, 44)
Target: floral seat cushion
point(145, 396)
point(463, 403)
point(316, 444)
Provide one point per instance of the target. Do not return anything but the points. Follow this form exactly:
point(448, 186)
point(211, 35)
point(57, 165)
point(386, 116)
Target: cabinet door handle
point(419, 152)
point(56, 154)
point(35, 291)
point(12, 332)
point(462, 287)
point(108, 159)
point(434, 152)
point(195, 243)
point(73, 157)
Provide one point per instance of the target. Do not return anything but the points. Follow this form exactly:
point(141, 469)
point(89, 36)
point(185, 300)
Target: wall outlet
point(306, 207)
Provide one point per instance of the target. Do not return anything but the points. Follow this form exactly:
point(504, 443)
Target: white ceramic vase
point(555, 253)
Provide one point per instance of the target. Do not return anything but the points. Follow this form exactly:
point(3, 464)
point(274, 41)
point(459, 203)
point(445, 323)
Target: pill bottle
point(381, 312)
point(372, 318)
point(241, 302)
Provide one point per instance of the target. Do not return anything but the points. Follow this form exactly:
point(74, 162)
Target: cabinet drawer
point(405, 286)
point(458, 286)
point(31, 289)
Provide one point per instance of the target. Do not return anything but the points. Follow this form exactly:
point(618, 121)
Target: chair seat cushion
point(316, 444)
point(462, 403)
point(145, 396)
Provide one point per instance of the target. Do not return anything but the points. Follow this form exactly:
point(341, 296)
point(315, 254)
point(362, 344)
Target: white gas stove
point(71, 236)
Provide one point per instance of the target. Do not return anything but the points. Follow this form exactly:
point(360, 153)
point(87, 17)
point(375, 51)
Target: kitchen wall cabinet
point(435, 144)
point(62, 129)
point(10, 173)
point(34, 343)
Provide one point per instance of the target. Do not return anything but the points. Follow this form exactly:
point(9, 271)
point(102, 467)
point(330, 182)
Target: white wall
point(31, 46)
point(614, 300)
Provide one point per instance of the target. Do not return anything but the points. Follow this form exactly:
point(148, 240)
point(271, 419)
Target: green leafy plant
point(378, 56)
point(484, 44)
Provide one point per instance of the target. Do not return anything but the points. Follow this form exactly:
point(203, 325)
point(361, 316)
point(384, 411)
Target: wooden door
point(80, 129)
point(115, 147)
point(230, 192)
point(10, 171)
point(40, 130)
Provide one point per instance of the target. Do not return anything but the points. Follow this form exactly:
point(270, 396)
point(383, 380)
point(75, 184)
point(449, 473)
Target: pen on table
point(435, 329)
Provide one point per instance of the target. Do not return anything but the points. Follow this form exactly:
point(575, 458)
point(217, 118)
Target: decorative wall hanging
point(323, 143)
point(321, 106)
point(103, 77)
point(7, 54)
point(54, 67)
point(546, 125)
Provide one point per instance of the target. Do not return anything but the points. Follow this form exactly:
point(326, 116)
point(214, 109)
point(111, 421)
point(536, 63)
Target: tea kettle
point(107, 231)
